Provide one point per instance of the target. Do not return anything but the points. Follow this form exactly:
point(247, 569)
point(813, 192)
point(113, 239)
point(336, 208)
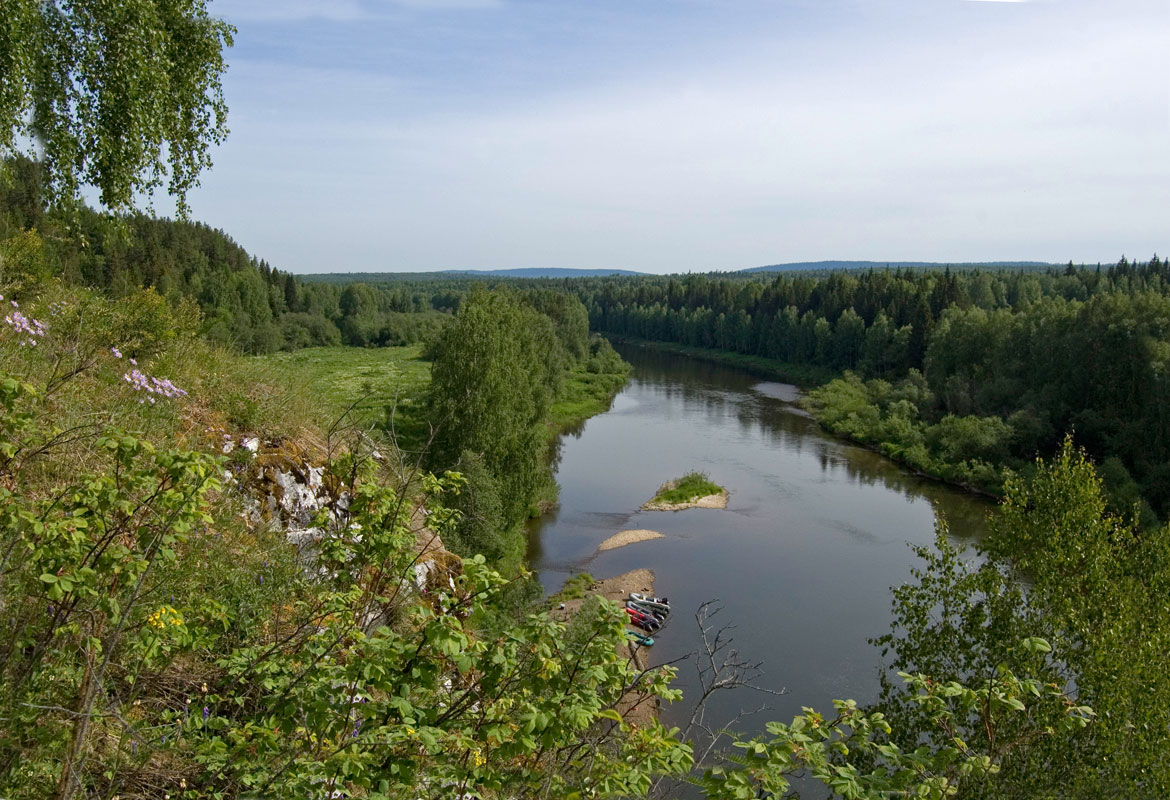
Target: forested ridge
point(245, 301)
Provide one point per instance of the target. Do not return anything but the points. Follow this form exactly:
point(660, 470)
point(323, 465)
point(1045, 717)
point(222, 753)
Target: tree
point(1096, 589)
point(496, 372)
point(123, 95)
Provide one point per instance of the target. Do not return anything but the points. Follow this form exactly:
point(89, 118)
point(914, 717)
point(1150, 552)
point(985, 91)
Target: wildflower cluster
point(24, 326)
point(57, 308)
point(163, 617)
point(118, 354)
point(141, 382)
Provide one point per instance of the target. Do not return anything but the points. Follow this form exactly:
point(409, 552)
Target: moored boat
point(657, 602)
point(657, 613)
point(643, 621)
point(641, 638)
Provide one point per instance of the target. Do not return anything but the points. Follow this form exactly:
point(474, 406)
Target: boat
point(642, 621)
point(640, 638)
point(657, 613)
point(639, 616)
point(658, 602)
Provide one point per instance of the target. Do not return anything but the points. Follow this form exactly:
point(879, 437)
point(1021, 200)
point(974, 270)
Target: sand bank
point(628, 537)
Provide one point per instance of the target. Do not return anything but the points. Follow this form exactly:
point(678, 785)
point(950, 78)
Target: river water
point(816, 532)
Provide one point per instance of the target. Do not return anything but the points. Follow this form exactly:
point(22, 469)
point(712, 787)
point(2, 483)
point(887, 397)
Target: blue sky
point(386, 135)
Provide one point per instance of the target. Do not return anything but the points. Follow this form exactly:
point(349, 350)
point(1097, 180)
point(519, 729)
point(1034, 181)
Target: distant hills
point(518, 272)
point(543, 272)
point(801, 266)
point(570, 272)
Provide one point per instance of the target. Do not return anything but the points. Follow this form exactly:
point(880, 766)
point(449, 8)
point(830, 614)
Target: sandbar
point(628, 537)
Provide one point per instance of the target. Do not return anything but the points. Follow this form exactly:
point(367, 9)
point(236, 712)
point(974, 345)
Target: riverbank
point(589, 387)
point(636, 707)
point(809, 377)
point(802, 375)
point(970, 453)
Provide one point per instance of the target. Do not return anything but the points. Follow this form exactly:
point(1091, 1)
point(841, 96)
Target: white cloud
point(958, 147)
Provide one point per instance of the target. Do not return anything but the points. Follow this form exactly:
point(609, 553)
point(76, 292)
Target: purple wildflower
point(117, 353)
point(24, 326)
point(140, 382)
point(206, 713)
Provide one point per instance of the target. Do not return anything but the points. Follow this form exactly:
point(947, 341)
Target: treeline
point(877, 321)
point(245, 302)
point(968, 372)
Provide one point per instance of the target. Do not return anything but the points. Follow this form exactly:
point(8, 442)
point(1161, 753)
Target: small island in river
point(624, 538)
point(693, 490)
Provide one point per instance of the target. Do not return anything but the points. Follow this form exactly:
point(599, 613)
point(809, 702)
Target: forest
point(959, 374)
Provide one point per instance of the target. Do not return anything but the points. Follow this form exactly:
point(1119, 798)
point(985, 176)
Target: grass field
point(359, 380)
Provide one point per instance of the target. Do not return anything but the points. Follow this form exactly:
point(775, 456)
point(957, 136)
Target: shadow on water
point(816, 533)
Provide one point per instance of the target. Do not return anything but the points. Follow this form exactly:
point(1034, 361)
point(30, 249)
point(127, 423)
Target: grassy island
point(694, 489)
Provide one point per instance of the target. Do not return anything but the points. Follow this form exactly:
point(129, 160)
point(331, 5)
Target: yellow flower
point(478, 758)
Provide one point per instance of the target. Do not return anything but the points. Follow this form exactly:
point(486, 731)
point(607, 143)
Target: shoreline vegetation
point(693, 490)
point(589, 388)
point(969, 453)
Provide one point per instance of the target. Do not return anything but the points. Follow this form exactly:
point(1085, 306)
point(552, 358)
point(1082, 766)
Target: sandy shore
point(710, 501)
point(628, 537)
point(634, 707)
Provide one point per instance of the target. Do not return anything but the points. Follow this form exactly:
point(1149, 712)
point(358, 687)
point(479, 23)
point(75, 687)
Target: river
point(816, 532)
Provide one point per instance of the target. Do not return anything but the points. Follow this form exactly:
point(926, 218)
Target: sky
point(691, 135)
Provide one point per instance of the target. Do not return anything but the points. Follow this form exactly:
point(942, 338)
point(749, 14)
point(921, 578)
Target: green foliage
point(121, 95)
point(854, 756)
point(159, 645)
point(498, 367)
point(970, 451)
point(590, 385)
point(1095, 587)
point(574, 588)
point(689, 487)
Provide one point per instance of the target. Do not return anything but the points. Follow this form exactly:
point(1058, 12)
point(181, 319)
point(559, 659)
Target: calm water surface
point(803, 558)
